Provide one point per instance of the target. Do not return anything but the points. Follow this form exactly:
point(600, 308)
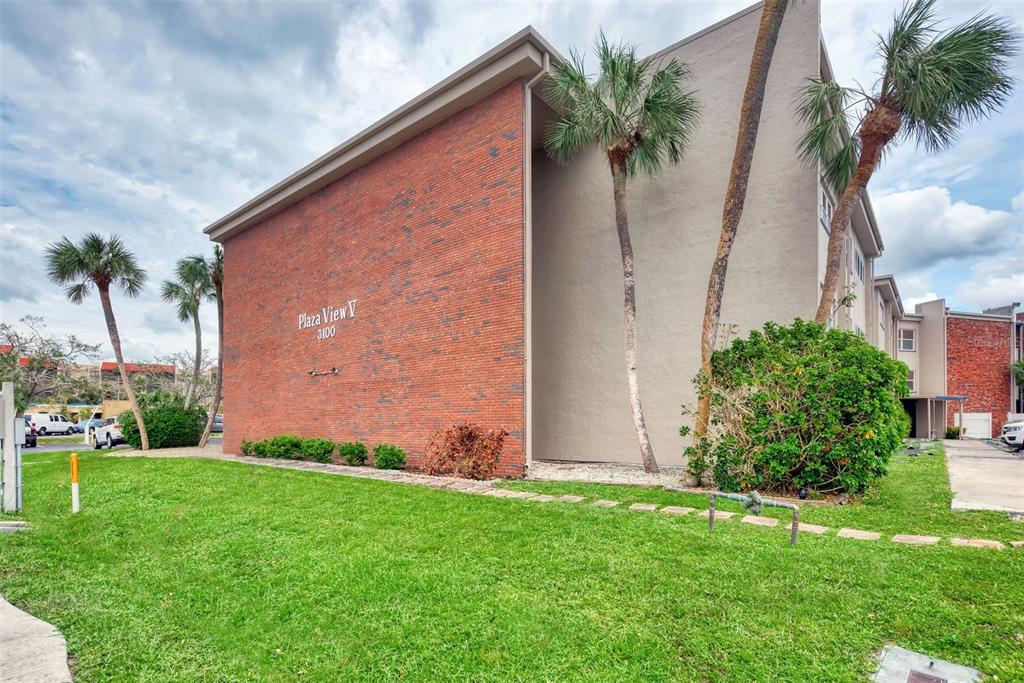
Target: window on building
point(825, 209)
point(858, 265)
point(908, 340)
point(881, 314)
point(912, 381)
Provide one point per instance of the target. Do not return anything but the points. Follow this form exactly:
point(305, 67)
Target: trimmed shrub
point(261, 449)
point(353, 453)
point(246, 447)
point(953, 432)
point(317, 450)
point(168, 425)
point(284, 446)
point(387, 456)
point(464, 450)
point(800, 406)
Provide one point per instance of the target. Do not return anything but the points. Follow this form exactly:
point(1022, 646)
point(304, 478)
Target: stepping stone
point(13, 526)
point(520, 494)
point(910, 539)
point(605, 503)
point(497, 493)
point(570, 499)
point(719, 514)
point(976, 543)
point(859, 535)
point(675, 510)
point(808, 528)
point(643, 507)
point(543, 498)
point(759, 521)
point(1017, 544)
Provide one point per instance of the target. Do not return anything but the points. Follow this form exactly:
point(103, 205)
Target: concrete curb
point(31, 651)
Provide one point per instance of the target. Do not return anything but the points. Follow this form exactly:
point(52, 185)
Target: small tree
point(101, 263)
point(638, 113)
point(191, 284)
point(215, 267)
point(932, 83)
point(42, 364)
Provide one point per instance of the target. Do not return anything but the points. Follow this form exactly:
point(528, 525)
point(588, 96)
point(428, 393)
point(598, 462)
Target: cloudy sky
point(151, 120)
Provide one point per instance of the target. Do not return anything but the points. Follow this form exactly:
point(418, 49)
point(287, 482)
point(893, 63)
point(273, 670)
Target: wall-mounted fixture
point(316, 373)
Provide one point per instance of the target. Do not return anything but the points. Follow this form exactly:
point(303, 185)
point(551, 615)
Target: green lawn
point(185, 570)
point(913, 498)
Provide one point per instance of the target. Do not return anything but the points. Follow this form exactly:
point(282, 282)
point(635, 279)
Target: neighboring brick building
point(978, 367)
point(953, 354)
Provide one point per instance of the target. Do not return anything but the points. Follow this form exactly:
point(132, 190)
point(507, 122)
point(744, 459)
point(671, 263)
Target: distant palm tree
point(932, 83)
point(191, 284)
point(100, 262)
point(736, 192)
point(215, 268)
point(639, 114)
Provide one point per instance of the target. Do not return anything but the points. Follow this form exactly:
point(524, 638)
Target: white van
point(50, 423)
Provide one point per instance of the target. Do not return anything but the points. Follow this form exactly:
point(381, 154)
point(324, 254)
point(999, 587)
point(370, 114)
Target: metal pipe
point(753, 502)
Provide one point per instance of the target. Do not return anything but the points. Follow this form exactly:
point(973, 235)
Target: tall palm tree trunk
point(218, 387)
point(879, 126)
point(197, 364)
point(622, 226)
point(115, 341)
point(736, 192)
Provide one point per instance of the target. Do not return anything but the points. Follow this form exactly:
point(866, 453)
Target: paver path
point(487, 488)
point(984, 477)
point(31, 651)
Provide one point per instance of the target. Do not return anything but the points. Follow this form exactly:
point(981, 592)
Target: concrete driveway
point(984, 477)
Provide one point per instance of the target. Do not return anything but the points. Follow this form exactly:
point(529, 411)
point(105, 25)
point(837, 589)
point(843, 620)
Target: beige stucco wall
point(580, 407)
point(932, 347)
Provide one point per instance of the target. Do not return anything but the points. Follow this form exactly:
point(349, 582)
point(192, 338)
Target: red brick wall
point(978, 366)
point(429, 240)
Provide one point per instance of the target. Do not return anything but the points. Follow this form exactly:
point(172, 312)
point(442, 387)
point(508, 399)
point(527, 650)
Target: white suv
point(108, 434)
point(50, 423)
point(1013, 434)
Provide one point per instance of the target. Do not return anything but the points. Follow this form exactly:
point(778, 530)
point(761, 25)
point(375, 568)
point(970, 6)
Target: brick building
point(438, 266)
point(957, 362)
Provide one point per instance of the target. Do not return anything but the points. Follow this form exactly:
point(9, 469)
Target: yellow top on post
point(74, 468)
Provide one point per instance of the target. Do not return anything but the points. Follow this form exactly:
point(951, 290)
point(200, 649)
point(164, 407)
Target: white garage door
point(976, 425)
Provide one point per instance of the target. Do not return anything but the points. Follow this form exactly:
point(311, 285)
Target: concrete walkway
point(984, 477)
point(31, 651)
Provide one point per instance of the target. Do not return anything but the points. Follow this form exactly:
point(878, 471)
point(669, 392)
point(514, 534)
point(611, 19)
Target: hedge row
point(386, 456)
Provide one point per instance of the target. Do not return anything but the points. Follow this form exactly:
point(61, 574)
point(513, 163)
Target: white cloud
point(924, 227)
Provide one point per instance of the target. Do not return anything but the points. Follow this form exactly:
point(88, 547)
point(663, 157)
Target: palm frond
point(823, 106)
point(76, 293)
point(912, 27)
point(962, 76)
point(64, 262)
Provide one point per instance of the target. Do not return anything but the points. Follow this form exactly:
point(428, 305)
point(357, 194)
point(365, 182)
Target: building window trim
point(906, 339)
point(912, 381)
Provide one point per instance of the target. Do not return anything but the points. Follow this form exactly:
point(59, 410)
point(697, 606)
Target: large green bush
point(168, 425)
point(800, 406)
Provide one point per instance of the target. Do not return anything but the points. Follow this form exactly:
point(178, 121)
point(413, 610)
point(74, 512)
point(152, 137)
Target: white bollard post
point(74, 483)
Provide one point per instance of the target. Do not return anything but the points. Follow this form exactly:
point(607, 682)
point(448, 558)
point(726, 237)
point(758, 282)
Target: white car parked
point(1013, 434)
point(108, 434)
point(50, 423)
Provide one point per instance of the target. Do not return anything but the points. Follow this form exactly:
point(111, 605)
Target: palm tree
point(932, 83)
point(215, 268)
point(736, 192)
point(639, 114)
point(100, 262)
point(191, 284)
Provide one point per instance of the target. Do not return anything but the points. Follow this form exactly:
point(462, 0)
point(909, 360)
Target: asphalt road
point(45, 447)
